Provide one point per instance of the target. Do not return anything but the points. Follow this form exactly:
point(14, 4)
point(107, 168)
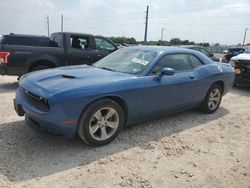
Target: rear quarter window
point(195, 62)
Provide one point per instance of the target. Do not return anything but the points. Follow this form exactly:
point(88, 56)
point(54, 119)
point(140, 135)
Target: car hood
point(72, 77)
point(243, 56)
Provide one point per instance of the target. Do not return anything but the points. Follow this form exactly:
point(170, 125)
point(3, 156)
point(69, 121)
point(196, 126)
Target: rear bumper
point(12, 71)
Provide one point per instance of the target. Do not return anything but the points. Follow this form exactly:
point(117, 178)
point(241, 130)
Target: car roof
point(162, 49)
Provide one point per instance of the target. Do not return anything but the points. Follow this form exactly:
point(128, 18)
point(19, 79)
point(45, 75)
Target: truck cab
point(21, 54)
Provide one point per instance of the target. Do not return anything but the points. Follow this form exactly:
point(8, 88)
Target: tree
point(175, 41)
point(123, 40)
point(204, 44)
point(172, 42)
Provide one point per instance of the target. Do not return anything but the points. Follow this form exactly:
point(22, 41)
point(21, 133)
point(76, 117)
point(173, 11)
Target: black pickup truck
point(20, 54)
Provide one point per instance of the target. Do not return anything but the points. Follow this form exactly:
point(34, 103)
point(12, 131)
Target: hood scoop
point(68, 76)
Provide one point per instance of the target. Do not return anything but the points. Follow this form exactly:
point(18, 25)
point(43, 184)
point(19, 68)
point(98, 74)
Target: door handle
point(192, 77)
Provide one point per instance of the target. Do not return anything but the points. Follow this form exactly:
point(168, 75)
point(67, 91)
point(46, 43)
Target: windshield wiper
point(105, 68)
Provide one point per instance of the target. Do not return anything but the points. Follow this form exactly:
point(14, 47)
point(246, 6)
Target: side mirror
point(166, 72)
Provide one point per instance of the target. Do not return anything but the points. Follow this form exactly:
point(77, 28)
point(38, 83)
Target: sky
point(213, 21)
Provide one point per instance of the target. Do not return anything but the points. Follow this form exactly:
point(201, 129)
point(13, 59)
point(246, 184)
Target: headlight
point(22, 77)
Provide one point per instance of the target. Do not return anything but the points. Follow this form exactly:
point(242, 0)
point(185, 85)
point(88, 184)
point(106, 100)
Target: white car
point(241, 64)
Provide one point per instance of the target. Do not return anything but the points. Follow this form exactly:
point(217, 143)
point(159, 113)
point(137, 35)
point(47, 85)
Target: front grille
point(244, 66)
point(244, 62)
point(37, 101)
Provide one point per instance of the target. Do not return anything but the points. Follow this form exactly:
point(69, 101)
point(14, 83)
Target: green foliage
point(172, 42)
point(177, 41)
point(204, 44)
point(123, 40)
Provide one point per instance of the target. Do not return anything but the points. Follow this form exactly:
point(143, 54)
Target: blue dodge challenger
point(128, 86)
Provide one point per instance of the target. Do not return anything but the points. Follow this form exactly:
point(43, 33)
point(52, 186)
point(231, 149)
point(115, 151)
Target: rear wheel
point(212, 100)
point(101, 122)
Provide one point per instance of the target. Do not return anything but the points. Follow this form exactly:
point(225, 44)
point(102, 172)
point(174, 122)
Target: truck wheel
point(39, 67)
point(101, 122)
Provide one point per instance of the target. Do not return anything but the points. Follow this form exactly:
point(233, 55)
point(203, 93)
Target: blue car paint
point(69, 90)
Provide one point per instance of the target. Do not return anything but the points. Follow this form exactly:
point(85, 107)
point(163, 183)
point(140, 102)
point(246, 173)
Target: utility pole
point(146, 27)
point(48, 24)
point(244, 39)
point(62, 23)
point(162, 30)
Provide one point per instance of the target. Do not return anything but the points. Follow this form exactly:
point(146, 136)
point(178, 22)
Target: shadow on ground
point(26, 154)
point(241, 91)
point(8, 87)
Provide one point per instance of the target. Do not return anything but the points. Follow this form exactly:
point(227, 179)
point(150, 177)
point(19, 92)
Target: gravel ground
point(189, 149)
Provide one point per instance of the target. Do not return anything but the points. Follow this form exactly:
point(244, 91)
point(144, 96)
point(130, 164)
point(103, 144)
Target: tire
point(39, 67)
point(212, 100)
point(101, 122)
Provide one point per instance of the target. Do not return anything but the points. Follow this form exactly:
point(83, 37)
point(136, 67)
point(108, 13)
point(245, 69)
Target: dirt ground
point(189, 149)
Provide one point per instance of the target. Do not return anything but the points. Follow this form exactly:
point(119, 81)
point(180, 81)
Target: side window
point(103, 44)
point(77, 42)
point(178, 62)
point(195, 61)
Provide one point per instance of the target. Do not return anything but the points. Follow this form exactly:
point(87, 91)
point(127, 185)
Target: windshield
point(127, 60)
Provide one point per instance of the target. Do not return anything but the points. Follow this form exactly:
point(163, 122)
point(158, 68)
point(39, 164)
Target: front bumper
point(18, 108)
point(47, 127)
point(49, 122)
point(239, 80)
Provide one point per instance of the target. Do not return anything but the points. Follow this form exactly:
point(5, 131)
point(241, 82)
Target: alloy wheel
point(104, 123)
point(214, 99)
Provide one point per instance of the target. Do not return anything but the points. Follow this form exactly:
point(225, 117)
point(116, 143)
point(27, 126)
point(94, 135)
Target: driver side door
point(170, 93)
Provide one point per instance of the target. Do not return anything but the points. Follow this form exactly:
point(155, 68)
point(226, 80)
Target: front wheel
point(212, 100)
point(101, 122)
